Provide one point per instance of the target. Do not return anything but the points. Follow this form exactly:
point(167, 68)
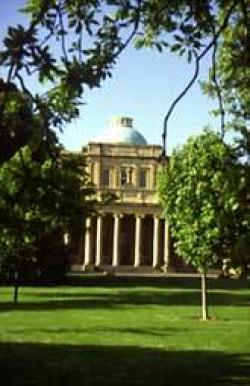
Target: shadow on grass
point(108, 331)
point(51, 364)
point(79, 279)
point(62, 299)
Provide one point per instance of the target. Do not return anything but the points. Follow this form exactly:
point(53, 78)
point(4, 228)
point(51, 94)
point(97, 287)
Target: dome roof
point(121, 131)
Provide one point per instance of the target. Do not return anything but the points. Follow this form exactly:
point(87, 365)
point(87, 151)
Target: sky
point(144, 83)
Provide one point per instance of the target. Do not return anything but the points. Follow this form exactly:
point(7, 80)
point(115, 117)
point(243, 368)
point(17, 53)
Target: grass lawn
point(126, 331)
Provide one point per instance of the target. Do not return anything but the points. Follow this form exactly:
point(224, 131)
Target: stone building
point(128, 231)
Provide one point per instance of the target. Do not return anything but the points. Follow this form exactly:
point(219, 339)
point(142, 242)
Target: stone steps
point(123, 269)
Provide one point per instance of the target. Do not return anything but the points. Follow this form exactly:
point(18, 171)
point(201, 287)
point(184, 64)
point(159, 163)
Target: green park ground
point(126, 331)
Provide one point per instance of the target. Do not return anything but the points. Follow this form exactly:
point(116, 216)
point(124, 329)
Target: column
point(66, 238)
point(137, 241)
point(152, 179)
point(166, 247)
point(97, 173)
point(99, 240)
point(116, 237)
point(87, 259)
point(156, 242)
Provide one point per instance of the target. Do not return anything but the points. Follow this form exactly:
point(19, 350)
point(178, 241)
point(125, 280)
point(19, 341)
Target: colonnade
point(117, 218)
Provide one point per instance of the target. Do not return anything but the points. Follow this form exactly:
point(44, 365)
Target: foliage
point(43, 190)
point(39, 202)
point(229, 78)
point(52, 49)
point(232, 63)
point(240, 256)
point(15, 110)
point(69, 45)
point(200, 194)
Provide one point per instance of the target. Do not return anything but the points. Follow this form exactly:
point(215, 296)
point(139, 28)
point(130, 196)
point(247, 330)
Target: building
point(129, 230)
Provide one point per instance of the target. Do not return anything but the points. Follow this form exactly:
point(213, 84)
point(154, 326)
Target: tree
point(69, 45)
point(196, 28)
point(73, 44)
point(200, 194)
point(229, 79)
point(15, 110)
point(44, 191)
point(231, 72)
point(240, 256)
point(40, 200)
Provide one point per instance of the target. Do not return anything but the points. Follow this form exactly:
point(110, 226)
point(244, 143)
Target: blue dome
point(121, 132)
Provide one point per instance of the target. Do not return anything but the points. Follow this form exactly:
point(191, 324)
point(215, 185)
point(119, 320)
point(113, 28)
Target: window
point(130, 176)
point(143, 178)
point(124, 176)
point(105, 177)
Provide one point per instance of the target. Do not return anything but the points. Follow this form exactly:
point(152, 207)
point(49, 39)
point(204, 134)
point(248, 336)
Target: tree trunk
point(16, 287)
point(204, 308)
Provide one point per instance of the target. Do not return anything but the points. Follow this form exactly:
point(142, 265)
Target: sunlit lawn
point(126, 332)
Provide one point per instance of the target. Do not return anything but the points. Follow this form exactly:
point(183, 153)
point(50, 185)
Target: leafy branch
point(198, 58)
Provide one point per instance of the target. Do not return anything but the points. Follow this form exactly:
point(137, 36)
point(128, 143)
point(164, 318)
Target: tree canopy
point(200, 192)
point(73, 44)
point(229, 78)
point(40, 201)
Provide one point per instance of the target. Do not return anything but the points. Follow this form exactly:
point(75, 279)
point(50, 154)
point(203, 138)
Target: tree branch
point(135, 28)
point(180, 96)
point(24, 166)
point(6, 91)
point(24, 88)
point(80, 46)
point(198, 59)
point(220, 30)
point(245, 13)
point(38, 18)
point(63, 42)
point(47, 37)
point(218, 90)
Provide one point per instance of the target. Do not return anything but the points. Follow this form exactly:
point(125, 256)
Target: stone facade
point(129, 230)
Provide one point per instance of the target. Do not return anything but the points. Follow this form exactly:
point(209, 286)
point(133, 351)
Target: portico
point(136, 240)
